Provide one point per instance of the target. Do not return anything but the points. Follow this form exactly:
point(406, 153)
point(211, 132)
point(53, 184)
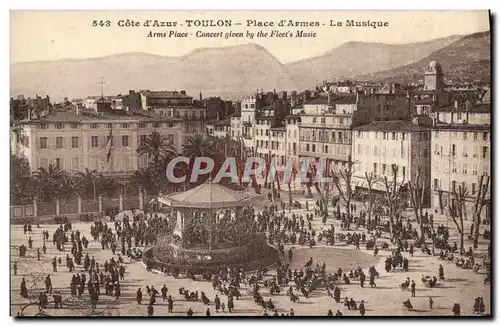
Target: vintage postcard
point(250, 163)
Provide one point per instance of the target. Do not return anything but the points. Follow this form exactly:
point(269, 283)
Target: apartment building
point(75, 141)
point(378, 145)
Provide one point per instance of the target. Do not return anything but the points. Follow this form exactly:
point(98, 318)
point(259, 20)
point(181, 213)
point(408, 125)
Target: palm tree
point(49, 182)
point(89, 182)
point(198, 146)
point(155, 146)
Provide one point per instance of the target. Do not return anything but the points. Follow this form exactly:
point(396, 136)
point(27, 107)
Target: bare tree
point(417, 192)
point(480, 202)
point(393, 195)
point(346, 192)
point(458, 212)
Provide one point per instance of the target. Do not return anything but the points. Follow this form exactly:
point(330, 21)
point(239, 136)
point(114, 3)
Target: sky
point(52, 35)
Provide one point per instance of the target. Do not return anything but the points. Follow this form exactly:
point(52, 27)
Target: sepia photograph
point(197, 163)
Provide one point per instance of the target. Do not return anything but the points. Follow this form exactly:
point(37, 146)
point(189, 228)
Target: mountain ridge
point(234, 71)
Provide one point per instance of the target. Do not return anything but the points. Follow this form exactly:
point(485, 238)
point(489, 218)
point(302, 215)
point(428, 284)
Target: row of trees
point(51, 183)
point(397, 194)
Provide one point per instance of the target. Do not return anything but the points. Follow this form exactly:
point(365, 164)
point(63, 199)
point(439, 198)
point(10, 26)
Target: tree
point(21, 183)
point(198, 145)
point(49, 182)
point(370, 181)
point(393, 194)
point(484, 182)
point(155, 146)
point(417, 191)
point(89, 183)
point(458, 212)
point(346, 194)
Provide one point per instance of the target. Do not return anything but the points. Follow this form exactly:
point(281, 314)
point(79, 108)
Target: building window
point(75, 163)
point(43, 126)
point(95, 126)
point(125, 141)
point(95, 141)
point(59, 126)
point(74, 142)
point(59, 142)
point(74, 126)
point(43, 142)
point(125, 125)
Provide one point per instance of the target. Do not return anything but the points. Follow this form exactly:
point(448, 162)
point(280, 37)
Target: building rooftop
point(70, 116)
point(208, 195)
point(223, 122)
point(392, 126)
point(165, 94)
point(462, 127)
point(475, 108)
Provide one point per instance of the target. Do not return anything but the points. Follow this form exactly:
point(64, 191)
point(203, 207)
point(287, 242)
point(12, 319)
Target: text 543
point(101, 23)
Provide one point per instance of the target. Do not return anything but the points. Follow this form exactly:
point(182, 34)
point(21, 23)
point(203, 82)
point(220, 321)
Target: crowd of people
point(127, 236)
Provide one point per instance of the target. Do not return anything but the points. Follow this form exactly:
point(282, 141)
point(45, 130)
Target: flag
point(109, 145)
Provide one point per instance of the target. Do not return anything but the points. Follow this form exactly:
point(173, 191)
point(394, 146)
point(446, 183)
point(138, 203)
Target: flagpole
point(210, 213)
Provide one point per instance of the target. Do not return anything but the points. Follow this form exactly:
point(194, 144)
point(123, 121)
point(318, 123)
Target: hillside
point(230, 71)
point(357, 58)
point(467, 59)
